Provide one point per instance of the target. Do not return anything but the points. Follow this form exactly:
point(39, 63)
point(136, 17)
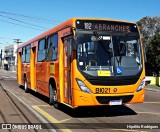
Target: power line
point(6, 38)
point(21, 25)
point(32, 17)
point(21, 16)
point(23, 22)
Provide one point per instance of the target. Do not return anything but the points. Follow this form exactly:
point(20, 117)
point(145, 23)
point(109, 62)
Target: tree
point(153, 53)
point(149, 26)
point(150, 32)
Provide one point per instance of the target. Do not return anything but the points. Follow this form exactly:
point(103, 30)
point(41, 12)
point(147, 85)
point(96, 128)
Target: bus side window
point(52, 47)
point(41, 50)
point(23, 55)
point(49, 49)
point(27, 53)
point(55, 46)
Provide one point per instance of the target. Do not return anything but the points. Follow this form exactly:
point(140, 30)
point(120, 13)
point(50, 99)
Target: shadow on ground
point(98, 111)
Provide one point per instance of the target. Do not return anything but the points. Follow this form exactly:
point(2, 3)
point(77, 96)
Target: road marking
point(65, 120)
point(126, 130)
point(153, 113)
point(5, 77)
point(13, 76)
point(43, 105)
point(50, 118)
point(8, 78)
point(152, 102)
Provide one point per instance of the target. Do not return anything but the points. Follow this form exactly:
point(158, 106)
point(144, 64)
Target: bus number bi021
point(102, 90)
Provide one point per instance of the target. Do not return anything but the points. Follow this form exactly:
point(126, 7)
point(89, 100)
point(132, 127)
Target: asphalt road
point(117, 118)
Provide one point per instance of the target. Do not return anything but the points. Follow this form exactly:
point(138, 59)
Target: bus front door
point(67, 71)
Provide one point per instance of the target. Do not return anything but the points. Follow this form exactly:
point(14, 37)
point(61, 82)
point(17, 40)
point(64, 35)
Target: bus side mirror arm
point(73, 39)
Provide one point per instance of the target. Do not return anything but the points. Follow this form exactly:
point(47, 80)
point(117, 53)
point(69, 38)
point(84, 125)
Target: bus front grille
point(107, 99)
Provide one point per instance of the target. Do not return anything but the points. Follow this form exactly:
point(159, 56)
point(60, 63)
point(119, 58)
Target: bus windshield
point(115, 55)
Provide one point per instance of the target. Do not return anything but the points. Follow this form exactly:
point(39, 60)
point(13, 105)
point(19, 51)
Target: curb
point(39, 116)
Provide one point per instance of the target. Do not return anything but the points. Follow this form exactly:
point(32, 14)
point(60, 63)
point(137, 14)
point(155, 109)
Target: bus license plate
point(115, 102)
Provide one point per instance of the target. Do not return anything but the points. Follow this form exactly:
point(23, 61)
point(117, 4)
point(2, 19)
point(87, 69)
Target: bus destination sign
point(106, 26)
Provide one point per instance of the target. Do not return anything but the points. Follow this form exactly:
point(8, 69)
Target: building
point(10, 57)
point(1, 58)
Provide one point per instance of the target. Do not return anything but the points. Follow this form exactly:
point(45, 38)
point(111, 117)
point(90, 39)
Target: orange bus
point(85, 62)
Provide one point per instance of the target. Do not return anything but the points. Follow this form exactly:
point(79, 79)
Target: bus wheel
point(25, 85)
point(53, 100)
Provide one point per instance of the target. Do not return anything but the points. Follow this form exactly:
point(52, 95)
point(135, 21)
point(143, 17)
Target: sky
point(25, 19)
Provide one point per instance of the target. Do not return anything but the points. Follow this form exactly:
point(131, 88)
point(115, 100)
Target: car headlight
point(141, 86)
point(83, 86)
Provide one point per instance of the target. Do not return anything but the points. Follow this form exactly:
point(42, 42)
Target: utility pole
point(17, 41)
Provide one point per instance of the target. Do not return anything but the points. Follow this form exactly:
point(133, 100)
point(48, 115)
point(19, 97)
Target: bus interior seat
point(92, 60)
point(92, 63)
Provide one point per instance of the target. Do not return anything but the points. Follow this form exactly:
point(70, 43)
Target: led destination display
point(106, 26)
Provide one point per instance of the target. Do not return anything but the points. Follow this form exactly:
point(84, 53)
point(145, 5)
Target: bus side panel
point(28, 75)
point(41, 73)
point(56, 77)
point(25, 73)
point(22, 73)
point(46, 79)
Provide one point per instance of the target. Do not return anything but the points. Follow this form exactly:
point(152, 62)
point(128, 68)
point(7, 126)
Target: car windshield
point(109, 55)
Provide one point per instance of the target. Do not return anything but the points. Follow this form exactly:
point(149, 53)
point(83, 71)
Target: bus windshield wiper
point(121, 48)
point(102, 44)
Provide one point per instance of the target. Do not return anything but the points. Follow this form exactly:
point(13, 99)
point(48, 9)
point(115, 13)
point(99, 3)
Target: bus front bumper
point(85, 99)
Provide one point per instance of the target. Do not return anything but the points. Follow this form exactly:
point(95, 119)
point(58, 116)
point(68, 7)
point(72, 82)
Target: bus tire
point(25, 85)
point(53, 98)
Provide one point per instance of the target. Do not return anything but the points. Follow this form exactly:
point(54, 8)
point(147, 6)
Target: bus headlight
point(141, 86)
point(83, 86)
